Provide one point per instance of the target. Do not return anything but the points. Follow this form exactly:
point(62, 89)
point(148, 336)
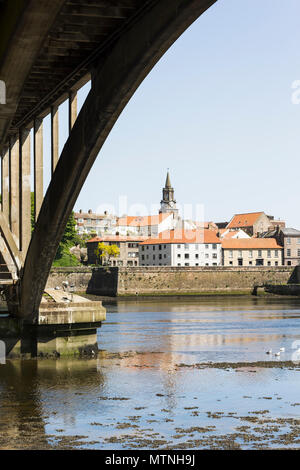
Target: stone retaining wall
point(168, 280)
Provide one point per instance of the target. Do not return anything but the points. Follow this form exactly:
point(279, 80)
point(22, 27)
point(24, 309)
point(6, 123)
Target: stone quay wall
point(119, 281)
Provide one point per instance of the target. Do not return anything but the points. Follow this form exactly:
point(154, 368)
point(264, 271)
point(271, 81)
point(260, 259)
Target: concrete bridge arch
point(116, 73)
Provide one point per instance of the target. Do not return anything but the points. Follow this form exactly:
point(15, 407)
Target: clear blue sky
point(217, 111)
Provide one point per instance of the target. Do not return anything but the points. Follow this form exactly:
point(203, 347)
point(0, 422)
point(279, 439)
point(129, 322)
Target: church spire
point(168, 182)
point(168, 203)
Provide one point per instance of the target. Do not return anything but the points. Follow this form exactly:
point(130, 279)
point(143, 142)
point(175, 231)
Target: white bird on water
point(282, 349)
point(277, 354)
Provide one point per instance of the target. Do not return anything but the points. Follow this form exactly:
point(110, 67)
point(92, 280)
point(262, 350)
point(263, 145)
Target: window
point(214, 246)
point(178, 264)
point(240, 254)
point(178, 246)
point(196, 256)
point(165, 246)
point(143, 257)
point(143, 248)
point(230, 253)
point(269, 253)
point(206, 255)
point(288, 240)
point(288, 252)
point(251, 254)
point(259, 252)
point(153, 247)
point(206, 247)
point(186, 264)
point(298, 252)
point(269, 263)
point(160, 256)
point(276, 253)
point(197, 264)
point(179, 255)
point(196, 247)
point(153, 256)
point(159, 247)
point(276, 263)
point(250, 263)
point(214, 255)
point(186, 256)
point(165, 256)
point(186, 246)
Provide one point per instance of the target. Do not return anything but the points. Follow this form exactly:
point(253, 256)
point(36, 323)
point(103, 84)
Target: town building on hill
point(181, 248)
point(128, 246)
point(89, 222)
point(252, 252)
point(289, 238)
point(253, 223)
point(148, 226)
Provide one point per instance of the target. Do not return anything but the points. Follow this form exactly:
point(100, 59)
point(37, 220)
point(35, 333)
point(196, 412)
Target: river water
point(171, 374)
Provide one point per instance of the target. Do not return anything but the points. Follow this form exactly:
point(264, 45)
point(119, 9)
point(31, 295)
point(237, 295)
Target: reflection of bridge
point(48, 51)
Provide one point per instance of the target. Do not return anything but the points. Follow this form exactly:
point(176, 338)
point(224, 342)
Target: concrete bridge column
point(14, 172)
point(5, 184)
point(54, 137)
point(38, 166)
point(72, 109)
point(25, 191)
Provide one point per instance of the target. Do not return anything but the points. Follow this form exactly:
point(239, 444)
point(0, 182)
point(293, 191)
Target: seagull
point(282, 349)
point(277, 354)
point(269, 352)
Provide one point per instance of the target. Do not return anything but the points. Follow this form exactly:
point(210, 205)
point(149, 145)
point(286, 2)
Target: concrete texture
point(63, 328)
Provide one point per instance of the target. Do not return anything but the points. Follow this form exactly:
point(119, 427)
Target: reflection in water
point(146, 383)
point(239, 329)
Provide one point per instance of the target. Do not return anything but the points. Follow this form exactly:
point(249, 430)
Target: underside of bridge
point(48, 51)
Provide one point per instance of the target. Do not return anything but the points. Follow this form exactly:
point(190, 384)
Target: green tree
point(105, 252)
point(70, 238)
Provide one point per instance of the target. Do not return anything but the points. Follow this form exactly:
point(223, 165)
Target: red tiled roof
point(142, 221)
point(250, 243)
point(117, 238)
point(244, 220)
point(184, 236)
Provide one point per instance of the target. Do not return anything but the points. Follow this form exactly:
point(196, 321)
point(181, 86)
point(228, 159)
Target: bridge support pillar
point(38, 166)
point(5, 184)
point(54, 138)
point(25, 191)
point(14, 172)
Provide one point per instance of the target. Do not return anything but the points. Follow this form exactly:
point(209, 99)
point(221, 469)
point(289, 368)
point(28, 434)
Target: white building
point(181, 248)
point(148, 226)
point(90, 222)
